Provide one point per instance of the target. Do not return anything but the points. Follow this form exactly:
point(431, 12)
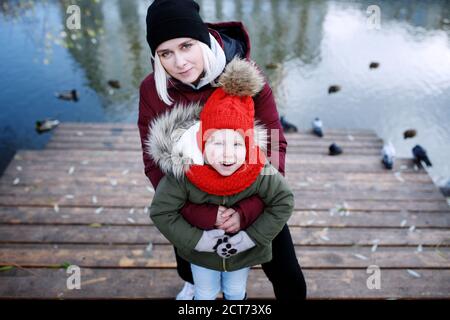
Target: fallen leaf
point(6, 268)
point(95, 225)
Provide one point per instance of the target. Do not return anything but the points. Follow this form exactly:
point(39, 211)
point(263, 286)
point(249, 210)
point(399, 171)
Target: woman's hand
point(220, 219)
point(232, 221)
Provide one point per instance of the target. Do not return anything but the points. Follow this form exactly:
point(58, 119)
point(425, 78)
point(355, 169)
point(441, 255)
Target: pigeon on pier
point(317, 127)
point(388, 154)
point(420, 154)
point(334, 149)
point(287, 127)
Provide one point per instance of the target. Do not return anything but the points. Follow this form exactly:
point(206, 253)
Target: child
point(218, 160)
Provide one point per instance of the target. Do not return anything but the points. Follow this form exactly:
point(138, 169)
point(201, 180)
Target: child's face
point(225, 151)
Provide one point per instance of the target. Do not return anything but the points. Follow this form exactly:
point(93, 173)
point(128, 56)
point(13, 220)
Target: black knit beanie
point(170, 19)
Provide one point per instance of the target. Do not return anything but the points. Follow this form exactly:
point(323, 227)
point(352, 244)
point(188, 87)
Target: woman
point(188, 55)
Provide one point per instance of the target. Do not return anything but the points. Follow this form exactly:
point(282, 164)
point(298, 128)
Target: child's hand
point(220, 219)
point(232, 222)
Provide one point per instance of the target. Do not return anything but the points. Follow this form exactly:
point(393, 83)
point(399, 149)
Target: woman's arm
point(146, 115)
point(266, 112)
point(279, 200)
point(169, 198)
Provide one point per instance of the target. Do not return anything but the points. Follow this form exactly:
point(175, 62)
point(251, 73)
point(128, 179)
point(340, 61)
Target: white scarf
point(220, 60)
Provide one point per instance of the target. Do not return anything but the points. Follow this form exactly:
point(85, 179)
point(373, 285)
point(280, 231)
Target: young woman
point(188, 55)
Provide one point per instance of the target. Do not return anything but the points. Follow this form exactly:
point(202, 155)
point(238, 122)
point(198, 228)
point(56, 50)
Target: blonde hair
point(212, 69)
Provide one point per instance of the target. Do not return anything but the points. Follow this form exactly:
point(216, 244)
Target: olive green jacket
point(171, 195)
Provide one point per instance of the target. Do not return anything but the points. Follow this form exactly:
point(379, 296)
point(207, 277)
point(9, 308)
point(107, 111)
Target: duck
point(71, 95)
point(374, 65)
point(410, 133)
point(272, 65)
point(114, 84)
point(46, 125)
point(333, 89)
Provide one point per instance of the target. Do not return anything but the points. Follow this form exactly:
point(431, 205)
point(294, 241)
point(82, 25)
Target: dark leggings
point(283, 270)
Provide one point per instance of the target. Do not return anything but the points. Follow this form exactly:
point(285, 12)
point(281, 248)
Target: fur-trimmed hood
point(167, 130)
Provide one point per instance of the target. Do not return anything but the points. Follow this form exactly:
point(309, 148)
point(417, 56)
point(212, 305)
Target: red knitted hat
point(231, 107)
point(224, 111)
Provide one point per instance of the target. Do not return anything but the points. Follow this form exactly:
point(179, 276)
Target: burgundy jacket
point(234, 39)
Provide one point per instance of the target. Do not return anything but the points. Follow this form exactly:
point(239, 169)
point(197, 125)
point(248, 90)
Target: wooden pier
point(83, 201)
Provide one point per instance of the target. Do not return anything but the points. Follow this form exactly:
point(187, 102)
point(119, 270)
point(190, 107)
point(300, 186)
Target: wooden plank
point(93, 126)
point(90, 188)
point(301, 204)
point(135, 140)
point(299, 191)
point(292, 166)
point(162, 256)
point(146, 234)
point(87, 187)
point(304, 182)
point(145, 283)
point(134, 135)
point(140, 216)
point(28, 159)
point(137, 147)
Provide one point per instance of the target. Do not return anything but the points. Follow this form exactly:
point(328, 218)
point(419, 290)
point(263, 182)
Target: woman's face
point(182, 58)
point(225, 151)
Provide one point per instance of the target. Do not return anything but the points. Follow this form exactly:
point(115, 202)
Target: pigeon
point(317, 127)
point(388, 154)
point(374, 65)
point(420, 155)
point(410, 133)
point(46, 125)
point(71, 95)
point(335, 149)
point(114, 84)
point(287, 127)
point(333, 89)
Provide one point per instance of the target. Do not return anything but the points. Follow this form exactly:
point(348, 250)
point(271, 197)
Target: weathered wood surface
point(84, 201)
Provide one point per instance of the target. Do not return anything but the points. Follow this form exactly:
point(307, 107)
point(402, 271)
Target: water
point(315, 43)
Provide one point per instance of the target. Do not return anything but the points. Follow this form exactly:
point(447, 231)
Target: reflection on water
point(313, 44)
